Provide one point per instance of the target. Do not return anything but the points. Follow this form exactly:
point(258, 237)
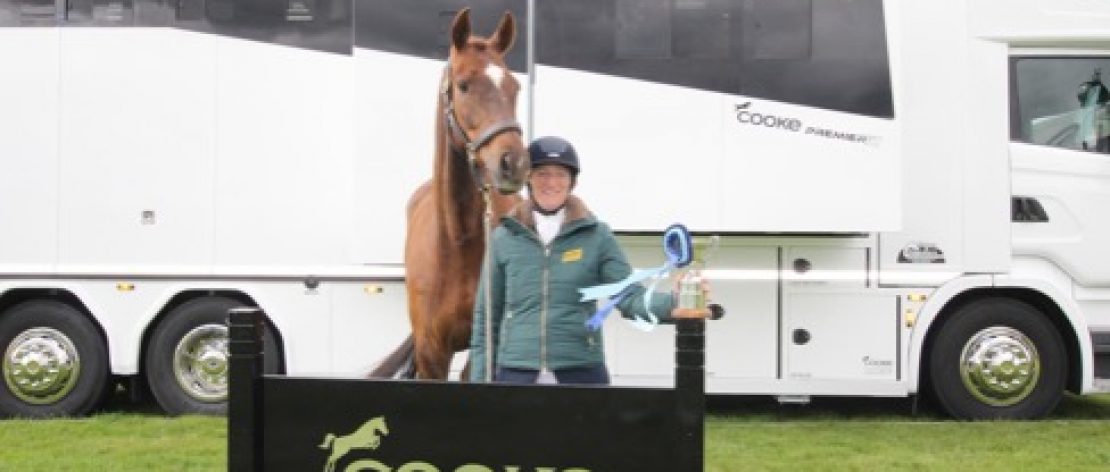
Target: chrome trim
point(41, 366)
point(1000, 366)
point(200, 363)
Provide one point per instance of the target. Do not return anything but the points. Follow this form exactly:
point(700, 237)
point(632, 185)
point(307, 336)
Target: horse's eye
point(463, 86)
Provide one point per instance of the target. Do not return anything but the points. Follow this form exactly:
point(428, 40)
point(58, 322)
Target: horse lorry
point(907, 194)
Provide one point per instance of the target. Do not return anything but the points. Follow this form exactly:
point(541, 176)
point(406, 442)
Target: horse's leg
point(428, 347)
point(459, 323)
point(432, 358)
point(431, 344)
point(465, 376)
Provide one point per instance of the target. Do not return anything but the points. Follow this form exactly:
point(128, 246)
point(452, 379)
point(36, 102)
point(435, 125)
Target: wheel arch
point(15, 296)
point(187, 295)
point(1059, 310)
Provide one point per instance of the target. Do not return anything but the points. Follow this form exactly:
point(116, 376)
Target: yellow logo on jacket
point(572, 255)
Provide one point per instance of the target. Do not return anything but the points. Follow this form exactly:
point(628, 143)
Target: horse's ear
point(460, 29)
point(505, 34)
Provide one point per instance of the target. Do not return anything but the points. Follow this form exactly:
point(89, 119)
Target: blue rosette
point(678, 251)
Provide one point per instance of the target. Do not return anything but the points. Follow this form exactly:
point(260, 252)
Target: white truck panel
point(1073, 188)
point(986, 203)
point(852, 336)
point(639, 170)
point(369, 320)
point(1034, 22)
point(136, 136)
point(802, 179)
point(284, 152)
point(655, 154)
point(28, 186)
point(395, 108)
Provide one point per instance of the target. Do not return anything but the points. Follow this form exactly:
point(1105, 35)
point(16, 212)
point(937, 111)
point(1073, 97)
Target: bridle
point(471, 145)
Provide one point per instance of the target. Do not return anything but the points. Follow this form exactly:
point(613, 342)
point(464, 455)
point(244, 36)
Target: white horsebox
point(909, 195)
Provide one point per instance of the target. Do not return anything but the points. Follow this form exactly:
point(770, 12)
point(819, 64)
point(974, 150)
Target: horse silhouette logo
point(367, 436)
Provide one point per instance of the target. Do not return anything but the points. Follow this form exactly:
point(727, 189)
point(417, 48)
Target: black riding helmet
point(552, 150)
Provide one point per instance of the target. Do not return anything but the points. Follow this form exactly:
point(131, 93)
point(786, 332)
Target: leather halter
point(471, 145)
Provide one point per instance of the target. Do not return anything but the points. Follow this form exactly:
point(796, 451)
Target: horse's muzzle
point(512, 170)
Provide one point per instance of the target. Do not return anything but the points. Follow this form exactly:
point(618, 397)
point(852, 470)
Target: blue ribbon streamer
point(678, 251)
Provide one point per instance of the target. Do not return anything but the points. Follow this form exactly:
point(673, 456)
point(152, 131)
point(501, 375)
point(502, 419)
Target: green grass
point(114, 442)
point(868, 435)
point(746, 434)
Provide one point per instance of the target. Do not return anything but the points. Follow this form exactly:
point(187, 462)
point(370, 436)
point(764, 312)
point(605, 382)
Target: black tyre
point(55, 361)
point(998, 358)
point(187, 358)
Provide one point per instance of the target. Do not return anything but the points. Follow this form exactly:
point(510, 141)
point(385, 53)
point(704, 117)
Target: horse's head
point(480, 95)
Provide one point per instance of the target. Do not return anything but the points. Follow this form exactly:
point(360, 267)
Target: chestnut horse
point(479, 147)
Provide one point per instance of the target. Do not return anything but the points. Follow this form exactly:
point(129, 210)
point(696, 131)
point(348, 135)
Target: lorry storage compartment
point(1101, 343)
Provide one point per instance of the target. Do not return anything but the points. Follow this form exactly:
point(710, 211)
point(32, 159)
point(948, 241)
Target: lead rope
point(486, 222)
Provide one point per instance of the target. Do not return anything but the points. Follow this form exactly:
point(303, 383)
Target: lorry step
point(793, 399)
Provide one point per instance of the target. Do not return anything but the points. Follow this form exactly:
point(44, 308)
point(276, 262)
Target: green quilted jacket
point(538, 320)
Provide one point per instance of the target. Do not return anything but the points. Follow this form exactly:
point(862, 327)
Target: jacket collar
point(577, 213)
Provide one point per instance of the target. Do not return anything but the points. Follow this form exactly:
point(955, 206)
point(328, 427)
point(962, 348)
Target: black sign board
point(279, 423)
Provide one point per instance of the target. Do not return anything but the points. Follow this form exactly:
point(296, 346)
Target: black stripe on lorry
point(323, 25)
point(828, 54)
point(420, 27)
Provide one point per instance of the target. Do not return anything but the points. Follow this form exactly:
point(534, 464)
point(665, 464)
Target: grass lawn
point(867, 435)
point(745, 434)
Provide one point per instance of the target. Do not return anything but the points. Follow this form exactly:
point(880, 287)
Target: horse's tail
point(327, 441)
point(398, 364)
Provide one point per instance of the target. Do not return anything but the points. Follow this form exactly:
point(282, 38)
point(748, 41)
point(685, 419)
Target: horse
point(367, 436)
point(480, 164)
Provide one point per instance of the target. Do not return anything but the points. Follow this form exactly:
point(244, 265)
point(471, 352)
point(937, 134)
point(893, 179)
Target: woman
point(542, 253)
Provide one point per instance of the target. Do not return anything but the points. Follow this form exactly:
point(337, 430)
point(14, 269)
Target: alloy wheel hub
point(1000, 366)
point(41, 366)
point(200, 363)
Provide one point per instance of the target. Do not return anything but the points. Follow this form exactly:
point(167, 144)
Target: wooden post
point(244, 412)
point(690, 389)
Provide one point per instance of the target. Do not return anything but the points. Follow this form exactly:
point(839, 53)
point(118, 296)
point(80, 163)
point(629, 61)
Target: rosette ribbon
point(679, 252)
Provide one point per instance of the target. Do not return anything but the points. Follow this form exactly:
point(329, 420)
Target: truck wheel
point(187, 358)
point(55, 361)
point(998, 358)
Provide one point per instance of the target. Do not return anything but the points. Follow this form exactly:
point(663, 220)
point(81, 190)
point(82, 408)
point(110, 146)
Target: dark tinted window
point(155, 12)
point(828, 53)
point(100, 12)
point(315, 24)
point(8, 14)
point(420, 27)
point(1062, 102)
point(28, 13)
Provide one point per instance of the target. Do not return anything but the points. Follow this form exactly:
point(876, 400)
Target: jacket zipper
point(543, 307)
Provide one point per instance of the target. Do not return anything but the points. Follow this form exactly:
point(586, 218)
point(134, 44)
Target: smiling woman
point(553, 175)
point(536, 318)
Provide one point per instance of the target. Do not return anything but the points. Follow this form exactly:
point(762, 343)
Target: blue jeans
point(589, 375)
